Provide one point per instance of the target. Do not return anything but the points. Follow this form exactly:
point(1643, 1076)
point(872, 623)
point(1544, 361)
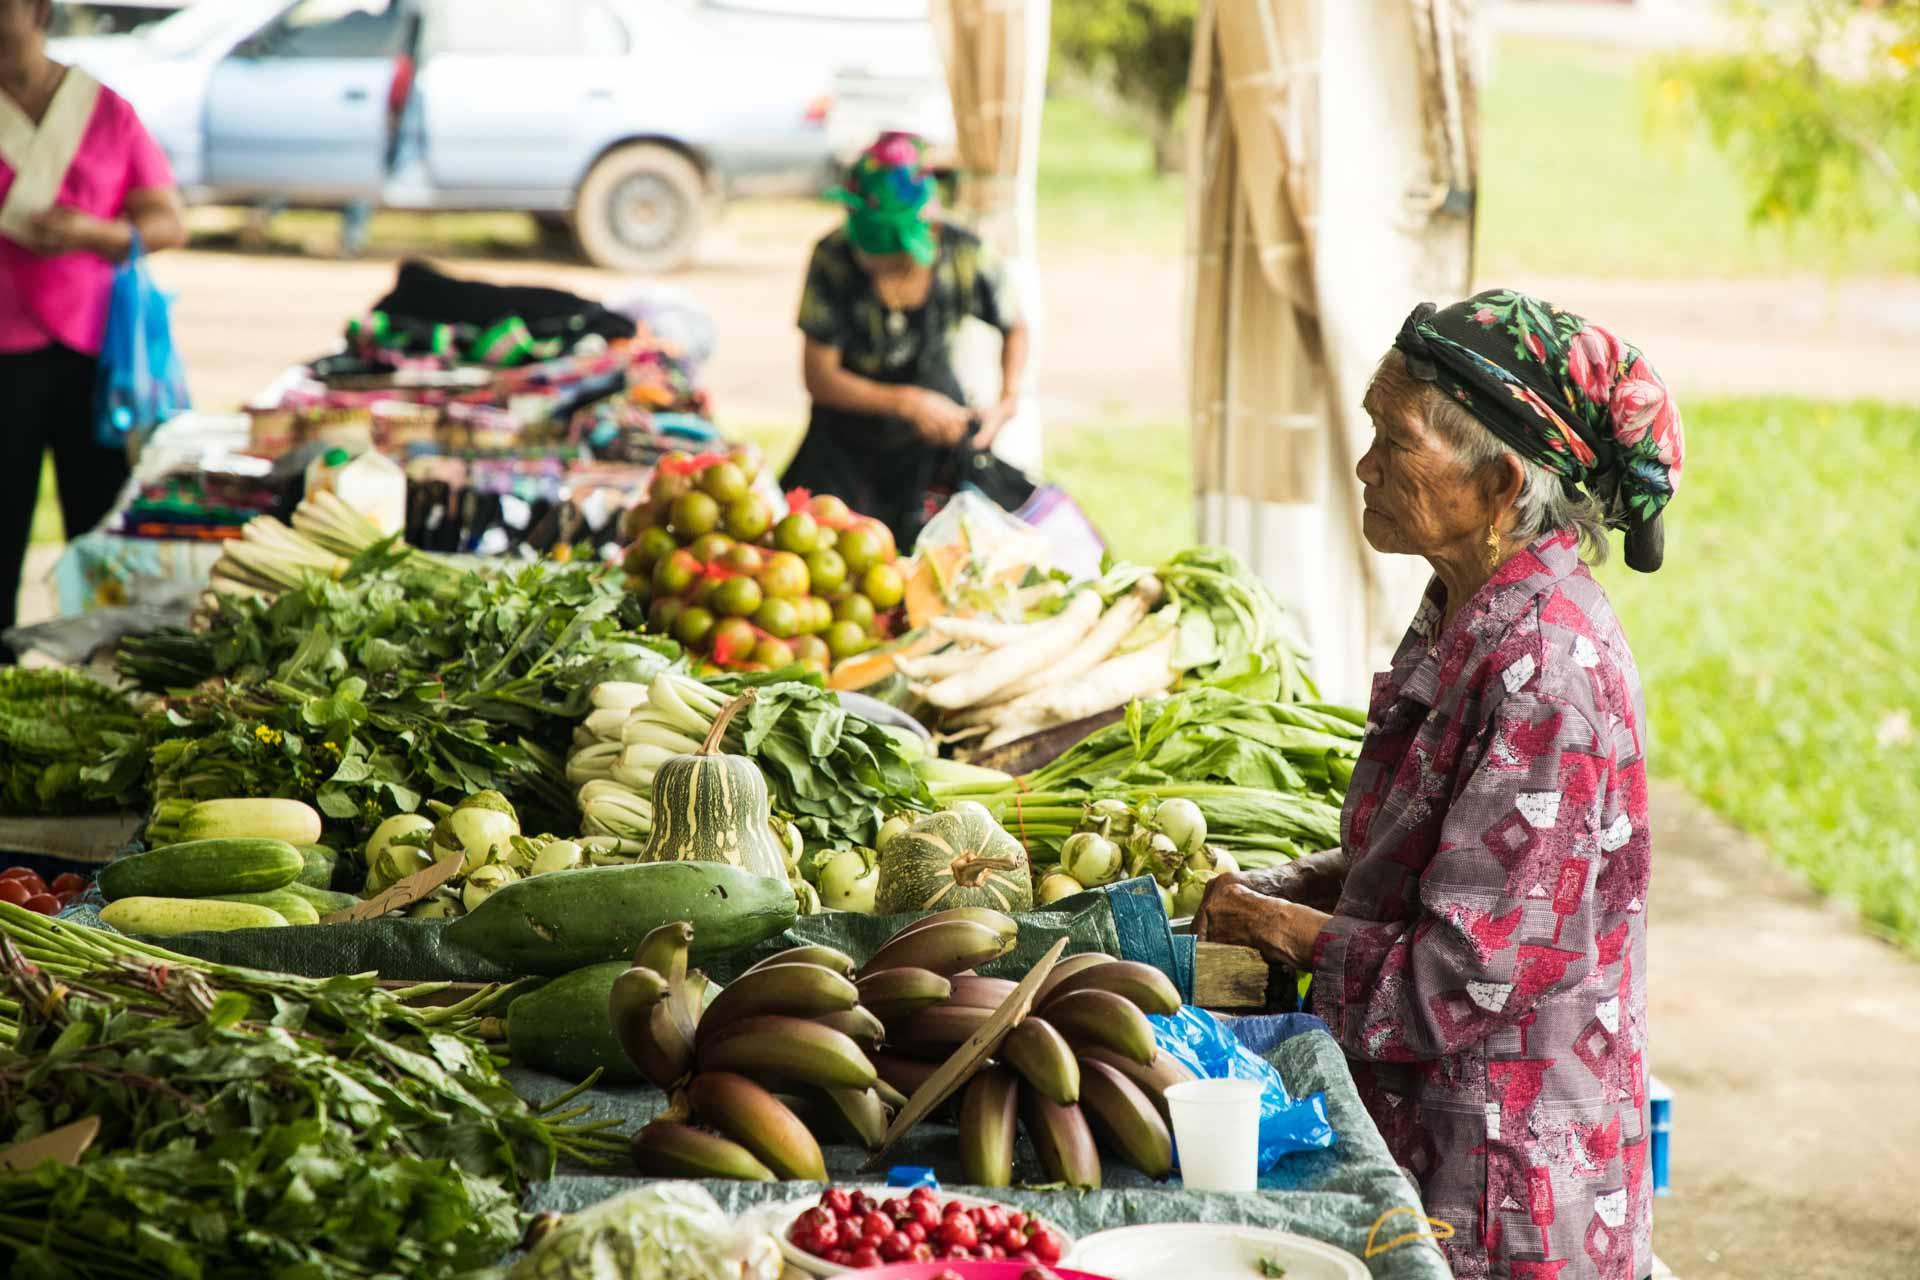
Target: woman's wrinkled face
point(1420, 498)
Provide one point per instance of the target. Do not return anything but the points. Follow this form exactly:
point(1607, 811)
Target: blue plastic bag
point(1198, 1041)
point(141, 382)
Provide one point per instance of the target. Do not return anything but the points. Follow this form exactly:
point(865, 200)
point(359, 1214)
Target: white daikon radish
point(950, 661)
point(1046, 645)
point(1114, 626)
point(1114, 683)
point(983, 631)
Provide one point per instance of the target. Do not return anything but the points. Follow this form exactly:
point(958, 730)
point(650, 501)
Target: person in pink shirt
point(79, 178)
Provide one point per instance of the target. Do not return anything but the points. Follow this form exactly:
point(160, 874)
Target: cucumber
point(203, 869)
point(566, 920)
point(320, 862)
point(164, 916)
point(288, 820)
point(291, 906)
point(325, 901)
point(564, 1029)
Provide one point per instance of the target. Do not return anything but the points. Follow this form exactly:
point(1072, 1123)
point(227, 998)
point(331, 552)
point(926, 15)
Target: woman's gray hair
point(1544, 504)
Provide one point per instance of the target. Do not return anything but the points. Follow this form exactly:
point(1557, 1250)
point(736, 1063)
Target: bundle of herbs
point(1269, 777)
point(251, 1123)
point(404, 680)
point(68, 744)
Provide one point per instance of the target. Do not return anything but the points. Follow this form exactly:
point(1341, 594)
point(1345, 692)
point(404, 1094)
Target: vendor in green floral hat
point(885, 296)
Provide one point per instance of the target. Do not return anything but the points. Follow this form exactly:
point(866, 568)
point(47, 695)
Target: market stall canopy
point(1301, 269)
point(995, 53)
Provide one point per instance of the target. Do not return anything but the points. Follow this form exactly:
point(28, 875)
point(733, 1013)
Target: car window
point(527, 28)
point(334, 29)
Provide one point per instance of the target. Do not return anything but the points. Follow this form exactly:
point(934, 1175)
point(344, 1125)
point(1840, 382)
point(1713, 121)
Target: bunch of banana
point(753, 1071)
point(1082, 1065)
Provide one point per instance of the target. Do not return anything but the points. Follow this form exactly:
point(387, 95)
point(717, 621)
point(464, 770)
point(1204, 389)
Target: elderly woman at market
point(1478, 942)
point(886, 294)
point(79, 180)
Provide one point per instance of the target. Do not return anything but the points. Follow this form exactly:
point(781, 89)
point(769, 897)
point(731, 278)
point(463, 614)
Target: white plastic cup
point(1216, 1130)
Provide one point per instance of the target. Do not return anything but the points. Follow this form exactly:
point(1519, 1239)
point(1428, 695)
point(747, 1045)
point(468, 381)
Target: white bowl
point(1209, 1251)
point(782, 1218)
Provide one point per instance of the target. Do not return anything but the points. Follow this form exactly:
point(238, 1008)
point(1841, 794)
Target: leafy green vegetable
point(1232, 630)
point(251, 1123)
point(1270, 1268)
point(56, 727)
point(404, 681)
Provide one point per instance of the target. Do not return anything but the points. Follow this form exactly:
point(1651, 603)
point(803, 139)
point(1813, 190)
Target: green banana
point(1038, 1051)
point(946, 948)
point(666, 950)
point(1125, 1117)
point(1062, 1139)
point(980, 993)
point(788, 1049)
point(894, 1099)
point(1148, 988)
point(856, 1024)
point(665, 1149)
point(758, 1121)
point(862, 1113)
point(989, 1121)
point(1153, 1079)
point(1104, 1019)
point(939, 1030)
point(1066, 968)
point(826, 957)
point(890, 994)
point(796, 990)
point(644, 1024)
point(998, 921)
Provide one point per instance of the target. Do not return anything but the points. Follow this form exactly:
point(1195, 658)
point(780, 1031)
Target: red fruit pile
point(853, 1230)
point(24, 888)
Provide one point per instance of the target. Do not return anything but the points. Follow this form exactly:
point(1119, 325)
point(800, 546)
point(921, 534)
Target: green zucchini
point(566, 920)
point(291, 906)
point(163, 916)
point(564, 1029)
point(325, 901)
point(320, 862)
point(203, 869)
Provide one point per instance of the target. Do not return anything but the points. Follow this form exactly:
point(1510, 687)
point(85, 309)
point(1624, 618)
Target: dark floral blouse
point(840, 309)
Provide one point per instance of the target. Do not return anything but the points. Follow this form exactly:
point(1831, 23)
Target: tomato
point(69, 882)
point(45, 903)
point(915, 1233)
point(12, 891)
point(835, 1201)
point(959, 1232)
point(23, 876)
point(867, 1257)
point(896, 1247)
point(1045, 1245)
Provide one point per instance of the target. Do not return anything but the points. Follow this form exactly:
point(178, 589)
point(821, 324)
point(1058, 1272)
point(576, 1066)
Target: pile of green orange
point(747, 586)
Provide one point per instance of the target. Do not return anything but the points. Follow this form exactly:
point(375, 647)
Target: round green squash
point(957, 858)
point(712, 807)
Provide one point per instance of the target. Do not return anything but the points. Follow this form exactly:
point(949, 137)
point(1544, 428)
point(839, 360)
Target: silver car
point(626, 119)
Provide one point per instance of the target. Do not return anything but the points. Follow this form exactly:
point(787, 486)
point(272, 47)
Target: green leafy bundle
point(251, 1124)
point(405, 680)
point(1233, 633)
point(57, 732)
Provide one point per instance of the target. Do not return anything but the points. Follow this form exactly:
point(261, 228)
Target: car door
point(299, 110)
point(516, 94)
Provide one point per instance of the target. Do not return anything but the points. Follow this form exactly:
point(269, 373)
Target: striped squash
point(958, 858)
point(712, 807)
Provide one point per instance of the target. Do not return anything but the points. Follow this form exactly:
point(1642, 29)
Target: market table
point(1337, 1195)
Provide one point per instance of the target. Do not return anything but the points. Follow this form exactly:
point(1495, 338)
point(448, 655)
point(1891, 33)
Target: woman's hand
point(1233, 912)
point(62, 229)
point(938, 419)
point(994, 420)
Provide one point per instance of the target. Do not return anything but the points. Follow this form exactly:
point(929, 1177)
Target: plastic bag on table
point(141, 382)
point(665, 1231)
point(1197, 1040)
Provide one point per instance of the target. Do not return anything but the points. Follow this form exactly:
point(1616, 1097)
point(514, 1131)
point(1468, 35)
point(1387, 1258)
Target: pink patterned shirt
point(1486, 967)
point(64, 298)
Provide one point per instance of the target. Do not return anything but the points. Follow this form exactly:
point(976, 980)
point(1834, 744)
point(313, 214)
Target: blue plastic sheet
point(141, 382)
point(1204, 1045)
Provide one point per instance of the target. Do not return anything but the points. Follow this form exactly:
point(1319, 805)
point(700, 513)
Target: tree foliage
point(1819, 110)
point(1140, 49)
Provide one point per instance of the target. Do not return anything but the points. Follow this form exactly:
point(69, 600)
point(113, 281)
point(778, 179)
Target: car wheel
point(641, 209)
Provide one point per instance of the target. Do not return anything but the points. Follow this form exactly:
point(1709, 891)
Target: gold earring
point(1493, 548)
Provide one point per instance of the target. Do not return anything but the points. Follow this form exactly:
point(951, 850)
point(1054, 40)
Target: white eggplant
point(849, 879)
point(1057, 885)
point(1182, 822)
point(484, 882)
point(1092, 859)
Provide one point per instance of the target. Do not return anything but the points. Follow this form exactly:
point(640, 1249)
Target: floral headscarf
point(1564, 393)
point(886, 192)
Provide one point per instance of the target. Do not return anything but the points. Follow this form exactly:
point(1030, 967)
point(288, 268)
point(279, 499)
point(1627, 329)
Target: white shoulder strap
point(41, 155)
